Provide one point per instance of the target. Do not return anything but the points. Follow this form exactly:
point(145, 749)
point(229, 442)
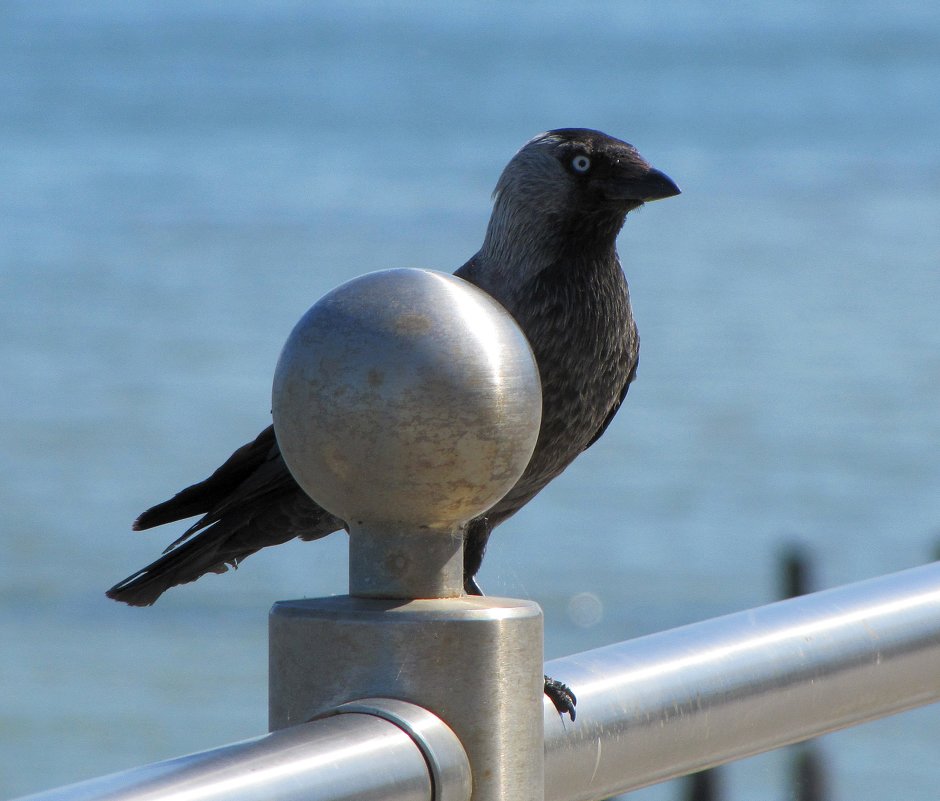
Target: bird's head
point(577, 169)
point(573, 185)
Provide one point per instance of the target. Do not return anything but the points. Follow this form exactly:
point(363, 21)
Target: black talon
point(561, 696)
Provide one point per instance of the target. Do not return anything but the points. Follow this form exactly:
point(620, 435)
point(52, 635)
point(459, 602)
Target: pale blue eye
point(580, 163)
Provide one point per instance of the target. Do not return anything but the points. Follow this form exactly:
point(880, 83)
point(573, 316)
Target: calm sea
point(179, 181)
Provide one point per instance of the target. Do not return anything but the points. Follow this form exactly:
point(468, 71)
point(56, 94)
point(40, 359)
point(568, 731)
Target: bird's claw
point(561, 696)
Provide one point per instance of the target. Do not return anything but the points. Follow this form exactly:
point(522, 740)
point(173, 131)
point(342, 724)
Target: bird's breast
point(581, 330)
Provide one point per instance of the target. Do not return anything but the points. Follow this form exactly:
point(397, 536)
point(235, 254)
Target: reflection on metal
point(473, 660)
point(477, 662)
point(352, 757)
point(649, 709)
point(672, 703)
point(446, 758)
point(406, 402)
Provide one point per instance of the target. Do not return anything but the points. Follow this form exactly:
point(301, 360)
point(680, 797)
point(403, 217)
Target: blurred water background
point(179, 181)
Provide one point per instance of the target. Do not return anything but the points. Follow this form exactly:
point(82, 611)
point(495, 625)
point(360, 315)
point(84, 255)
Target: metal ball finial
point(406, 401)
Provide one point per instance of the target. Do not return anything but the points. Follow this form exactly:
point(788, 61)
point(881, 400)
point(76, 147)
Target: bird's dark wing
point(249, 503)
point(616, 406)
point(227, 542)
point(205, 496)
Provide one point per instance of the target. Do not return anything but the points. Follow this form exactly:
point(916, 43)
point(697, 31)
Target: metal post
point(406, 403)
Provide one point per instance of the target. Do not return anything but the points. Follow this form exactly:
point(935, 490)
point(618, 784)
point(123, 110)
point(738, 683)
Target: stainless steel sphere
point(406, 398)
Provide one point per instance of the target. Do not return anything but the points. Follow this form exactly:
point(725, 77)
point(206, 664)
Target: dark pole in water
point(808, 768)
point(796, 571)
point(809, 774)
point(704, 786)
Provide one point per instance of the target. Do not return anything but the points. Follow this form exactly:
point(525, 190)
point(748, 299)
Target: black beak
point(656, 185)
point(637, 186)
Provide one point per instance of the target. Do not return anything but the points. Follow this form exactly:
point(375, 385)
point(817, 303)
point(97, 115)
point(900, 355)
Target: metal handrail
point(672, 703)
point(649, 709)
point(349, 757)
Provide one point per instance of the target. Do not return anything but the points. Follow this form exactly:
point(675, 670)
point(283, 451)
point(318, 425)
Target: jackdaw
point(549, 257)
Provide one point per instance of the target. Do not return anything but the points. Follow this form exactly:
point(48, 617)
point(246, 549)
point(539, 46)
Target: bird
point(549, 257)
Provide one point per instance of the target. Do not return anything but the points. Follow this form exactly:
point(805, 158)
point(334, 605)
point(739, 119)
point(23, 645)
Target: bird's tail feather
point(183, 564)
point(201, 498)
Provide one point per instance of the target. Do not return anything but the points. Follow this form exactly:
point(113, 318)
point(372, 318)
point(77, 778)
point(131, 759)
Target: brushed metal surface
point(406, 400)
point(450, 769)
point(475, 662)
point(671, 703)
point(649, 709)
point(354, 757)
